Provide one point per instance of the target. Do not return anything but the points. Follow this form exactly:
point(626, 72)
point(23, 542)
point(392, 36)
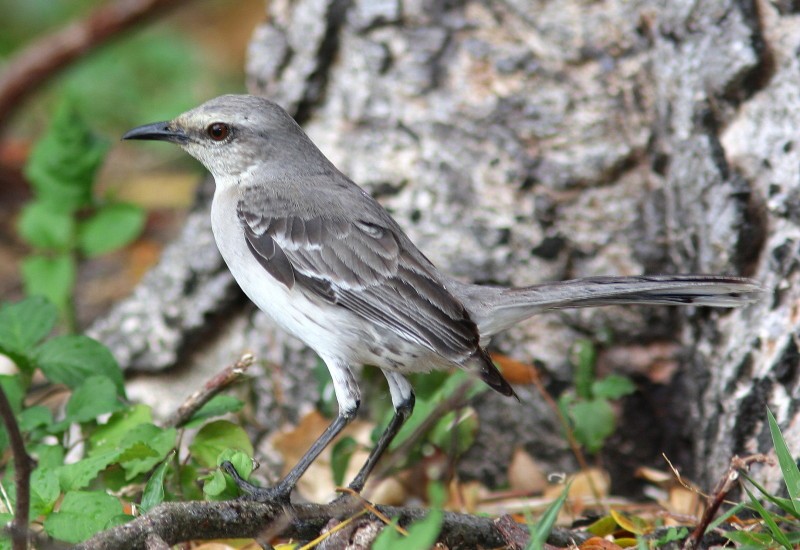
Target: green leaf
point(95, 396)
point(240, 460)
point(583, 358)
point(45, 490)
point(83, 514)
point(779, 535)
point(784, 504)
point(24, 324)
point(613, 387)
point(603, 527)
point(159, 442)
point(47, 456)
point(108, 436)
point(219, 405)
point(542, 529)
point(422, 533)
point(187, 481)
point(5, 519)
point(673, 534)
point(45, 226)
point(14, 390)
point(219, 486)
point(341, 453)
point(326, 404)
point(215, 437)
point(593, 421)
point(52, 278)
point(79, 474)
point(154, 490)
point(71, 359)
point(749, 539)
point(34, 417)
point(216, 485)
point(455, 430)
point(791, 474)
point(63, 163)
point(424, 406)
point(111, 227)
point(722, 518)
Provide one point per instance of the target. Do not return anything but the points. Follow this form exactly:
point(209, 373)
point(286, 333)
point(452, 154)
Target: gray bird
point(321, 257)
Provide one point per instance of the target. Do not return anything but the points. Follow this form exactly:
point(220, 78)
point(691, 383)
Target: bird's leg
point(349, 397)
point(403, 402)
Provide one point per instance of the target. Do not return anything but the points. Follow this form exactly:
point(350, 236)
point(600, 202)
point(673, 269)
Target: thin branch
point(52, 53)
point(23, 464)
point(176, 522)
point(229, 375)
point(724, 486)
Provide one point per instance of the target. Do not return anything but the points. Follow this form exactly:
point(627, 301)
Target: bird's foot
point(279, 493)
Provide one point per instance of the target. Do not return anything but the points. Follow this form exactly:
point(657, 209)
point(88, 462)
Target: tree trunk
point(520, 142)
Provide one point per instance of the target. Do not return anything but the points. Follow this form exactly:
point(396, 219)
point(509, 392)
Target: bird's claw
point(278, 493)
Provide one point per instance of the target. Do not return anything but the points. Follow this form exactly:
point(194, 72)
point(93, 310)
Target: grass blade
point(541, 530)
point(791, 474)
point(777, 534)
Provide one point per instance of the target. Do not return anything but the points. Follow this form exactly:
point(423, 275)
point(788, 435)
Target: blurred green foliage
point(67, 220)
point(25, 19)
point(148, 74)
point(122, 449)
point(589, 406)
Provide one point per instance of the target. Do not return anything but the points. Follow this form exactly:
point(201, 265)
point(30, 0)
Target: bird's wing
point(363, 266)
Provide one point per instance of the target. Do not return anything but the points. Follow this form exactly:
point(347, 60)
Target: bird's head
point(234, 134)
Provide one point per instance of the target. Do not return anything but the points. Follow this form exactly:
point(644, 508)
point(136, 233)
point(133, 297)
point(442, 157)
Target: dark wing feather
point(364, 266)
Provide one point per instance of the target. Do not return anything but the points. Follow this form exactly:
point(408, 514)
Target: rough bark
point(176, 522)
point(519, 142)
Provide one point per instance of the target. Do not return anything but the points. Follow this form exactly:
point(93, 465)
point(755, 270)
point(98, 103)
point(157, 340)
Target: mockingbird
point(321, 257)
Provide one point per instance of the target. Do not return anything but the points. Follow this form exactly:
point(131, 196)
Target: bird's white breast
point(324, 328)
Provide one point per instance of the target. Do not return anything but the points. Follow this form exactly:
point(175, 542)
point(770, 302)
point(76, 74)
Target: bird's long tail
point(496, 309)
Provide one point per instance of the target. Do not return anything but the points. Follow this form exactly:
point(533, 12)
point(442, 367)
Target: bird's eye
point(218, 131)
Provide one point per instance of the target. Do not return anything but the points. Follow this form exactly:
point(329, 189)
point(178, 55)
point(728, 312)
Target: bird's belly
point(332, 331)
point(319, 325)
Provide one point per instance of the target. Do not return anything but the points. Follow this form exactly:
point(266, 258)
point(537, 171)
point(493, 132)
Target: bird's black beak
point(158, 131)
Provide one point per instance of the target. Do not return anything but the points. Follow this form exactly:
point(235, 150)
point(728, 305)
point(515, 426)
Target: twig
point(333, 530)
point(50, 54)
point(176, 522)
point(724, 486)
point(369, 507)
point(215, 385)
point(22, 475)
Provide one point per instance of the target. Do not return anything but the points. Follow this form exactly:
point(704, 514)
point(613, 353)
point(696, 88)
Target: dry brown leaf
point(598, 543)
point(465, 496)
point(516, 372)
point(657, 361)
point(524, 474)
point(653, 475)
point(584, 483)
point(389, 491)
point(685, 502)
